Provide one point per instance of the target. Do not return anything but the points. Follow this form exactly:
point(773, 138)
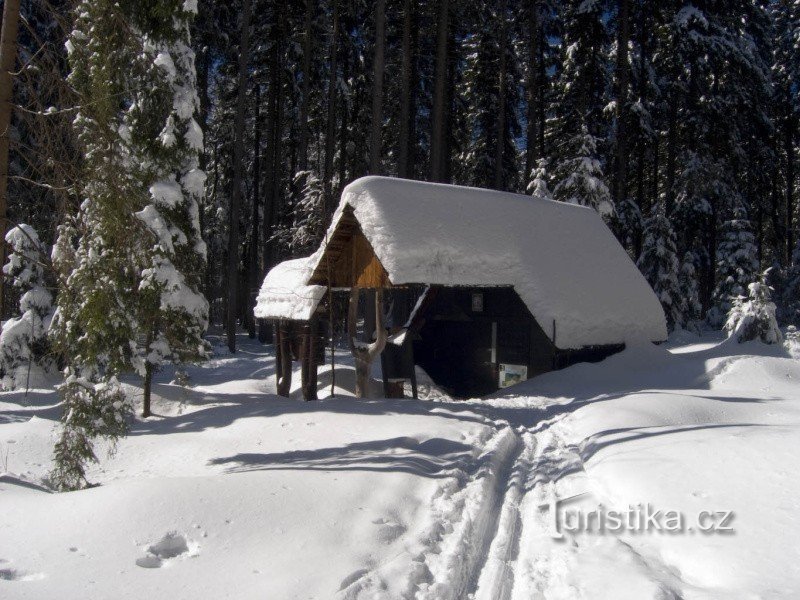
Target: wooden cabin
point(483, 289)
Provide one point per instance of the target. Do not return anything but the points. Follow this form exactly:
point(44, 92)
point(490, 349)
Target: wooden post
point(148, 386)
point(308, 368)
point(365, 353)
point(283, 367)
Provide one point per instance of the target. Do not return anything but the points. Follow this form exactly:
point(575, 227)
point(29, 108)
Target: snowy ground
point(232, 492)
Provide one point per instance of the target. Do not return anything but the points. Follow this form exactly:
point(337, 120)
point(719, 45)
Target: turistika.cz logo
point(636, 518)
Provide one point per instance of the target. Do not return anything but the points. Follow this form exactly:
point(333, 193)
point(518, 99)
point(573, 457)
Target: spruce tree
point(579, 175)
point(538, 185)
point(660, 266)
point(24, 345)
point(737, 264)
point(132, 256)
point(492, 95)
point(166, 140)
point(752, 317)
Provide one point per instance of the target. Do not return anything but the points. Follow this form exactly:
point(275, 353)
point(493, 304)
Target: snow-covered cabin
point(493, 287)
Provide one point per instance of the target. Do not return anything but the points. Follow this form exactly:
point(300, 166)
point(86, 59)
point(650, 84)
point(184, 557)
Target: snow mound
point(285, 295)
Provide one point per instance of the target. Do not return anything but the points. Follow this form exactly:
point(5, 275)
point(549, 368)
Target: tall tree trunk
point(672, 150)
point(330, 130)
point(8, 57)
point(502, 93)
point(439, 92)
point(253, 270)
point(277, 204)
point(530, 88)
point(541, 86)
point(344, 127)
point(302, 141)
point(621, 84)
point(790, 135)
point(405, 166)
point(377, 89)
point(238, 176)
point(273, 157)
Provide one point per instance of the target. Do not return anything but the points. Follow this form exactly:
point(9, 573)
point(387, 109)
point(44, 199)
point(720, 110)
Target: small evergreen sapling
point(24, 346)
point(753, 317)
point(538, 184)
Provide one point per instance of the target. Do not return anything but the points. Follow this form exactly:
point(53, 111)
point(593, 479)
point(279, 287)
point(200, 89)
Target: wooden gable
point(350, 258)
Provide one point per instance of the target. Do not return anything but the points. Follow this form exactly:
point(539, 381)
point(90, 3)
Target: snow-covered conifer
point(791, 290)
point(24, 347)
point(133, 256)
point(303, 233)
point(737, 262)
point(660, 266)
point(689, 289)
point(753, 317)
point(538, 185)
point(166, 140)
point(580, 176)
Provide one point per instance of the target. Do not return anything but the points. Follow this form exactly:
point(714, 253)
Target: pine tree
point(660, 266)
point(752, 317)
point(24, 345)
point(580, 176)
point(737, 266)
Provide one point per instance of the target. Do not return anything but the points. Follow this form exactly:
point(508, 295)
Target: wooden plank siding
point(350, 258)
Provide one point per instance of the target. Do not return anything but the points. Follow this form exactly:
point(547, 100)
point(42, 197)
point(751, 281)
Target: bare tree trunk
point(439, 93)
point(405, 143)
point(672, 143)
point(253, 270)
point(238, 176)
point(791, 133)
point(542, 91)
point(365, 353)
point(273, 157)
point(305, 88)
point(530, 132)
point(330, 131)
point(377, 89)
point(499, 151)
point(621, 81)
point(8, 57)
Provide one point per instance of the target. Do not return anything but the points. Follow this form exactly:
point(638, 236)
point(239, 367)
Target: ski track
point(489, 537)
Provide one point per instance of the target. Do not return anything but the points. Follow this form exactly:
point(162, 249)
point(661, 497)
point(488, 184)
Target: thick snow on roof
point(285, 295)
point(563, 261)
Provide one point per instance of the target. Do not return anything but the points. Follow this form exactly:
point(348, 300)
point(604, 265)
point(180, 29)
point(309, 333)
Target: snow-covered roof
point(562, 259)
point(285, 295)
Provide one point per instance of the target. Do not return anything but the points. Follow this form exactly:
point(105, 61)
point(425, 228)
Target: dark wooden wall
point(455, 343)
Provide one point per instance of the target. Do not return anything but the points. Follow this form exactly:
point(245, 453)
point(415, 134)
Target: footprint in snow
point(172, 545)
point(10, 574)
point(389, 530)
